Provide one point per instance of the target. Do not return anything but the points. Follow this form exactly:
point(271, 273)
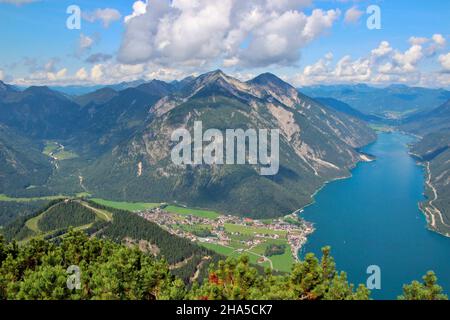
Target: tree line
point(109, 270)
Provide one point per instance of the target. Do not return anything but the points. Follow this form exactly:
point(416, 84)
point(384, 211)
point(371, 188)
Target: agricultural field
point(194, 212)
point(251, 231)
point(235, 253)
point(128, 206)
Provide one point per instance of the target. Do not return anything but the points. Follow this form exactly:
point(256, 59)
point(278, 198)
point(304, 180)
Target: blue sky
point(304, 41)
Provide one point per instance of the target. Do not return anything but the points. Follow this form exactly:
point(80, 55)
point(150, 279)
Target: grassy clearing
point(282, 262)
point(32, 224)
point(50, 147)
point(6, 198)
point(65, 155)
point(226, 251)
point(194, 212)
point(246, 230)
point(128, 206)
point(235, 253)
point(55, 150)
point(100, 213)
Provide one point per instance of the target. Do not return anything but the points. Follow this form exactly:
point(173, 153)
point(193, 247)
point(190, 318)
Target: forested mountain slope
point(434, 151)
point(317, 145)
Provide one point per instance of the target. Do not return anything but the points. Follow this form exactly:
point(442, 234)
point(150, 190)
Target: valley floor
point(233, 236)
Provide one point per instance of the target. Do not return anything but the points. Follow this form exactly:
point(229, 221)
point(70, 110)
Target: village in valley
point(273, 243)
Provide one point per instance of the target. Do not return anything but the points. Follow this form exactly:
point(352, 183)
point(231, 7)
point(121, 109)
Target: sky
point(305, 42)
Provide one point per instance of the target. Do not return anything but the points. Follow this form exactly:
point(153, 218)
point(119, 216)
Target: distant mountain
point(83, 90)
point(393, 102)
point(108, 122)
point(22, 164)
point(39, 112)
point(97, 97)
point(345, 108)
point(317, 145)
point(428, 122)
point(6, 89)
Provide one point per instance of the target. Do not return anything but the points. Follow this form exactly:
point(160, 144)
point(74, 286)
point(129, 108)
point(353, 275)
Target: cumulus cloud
point(439, 40)
point(407, 61)
point(431, 45)
point(444, 59)
point(85, 42)
point(139, 8)
point(2, 74)
point(353, 15)
point(383, 65)
point(250, 33)
point(107, 16)
point(383, 50)
point(81, 74)
point(418, 40)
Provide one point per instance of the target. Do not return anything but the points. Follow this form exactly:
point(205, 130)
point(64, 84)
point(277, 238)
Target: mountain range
point(433, 150)
point(121, 139)
point(393, 102)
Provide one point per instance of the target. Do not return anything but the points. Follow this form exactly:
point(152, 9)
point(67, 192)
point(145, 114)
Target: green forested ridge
point(37, 270)
point(129, 225)
point(11, 210)
point(434, 151)
point(429, 122)
point(17, 229)
point(65, 215)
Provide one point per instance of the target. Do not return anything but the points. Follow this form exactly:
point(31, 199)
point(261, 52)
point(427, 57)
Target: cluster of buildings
point(185, 225)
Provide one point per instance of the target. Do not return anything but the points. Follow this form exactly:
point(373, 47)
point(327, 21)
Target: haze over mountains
point(393, 102)
point(122, 142)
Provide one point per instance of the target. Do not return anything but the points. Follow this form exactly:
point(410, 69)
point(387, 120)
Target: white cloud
point(418, 41)
point(382, 65)
point(439, 40)
point(382, 51)
point(407, 61)
point(353, 15)
point(97, 73)
point(106, 16)
point(2, 74)
point(253, 33)
point(139, 8)
point(438, 43)
point(85, 42)
point(444, 59)
point(81, 74)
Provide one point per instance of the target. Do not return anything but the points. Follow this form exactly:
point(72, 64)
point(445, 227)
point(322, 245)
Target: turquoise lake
point(373, 218)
